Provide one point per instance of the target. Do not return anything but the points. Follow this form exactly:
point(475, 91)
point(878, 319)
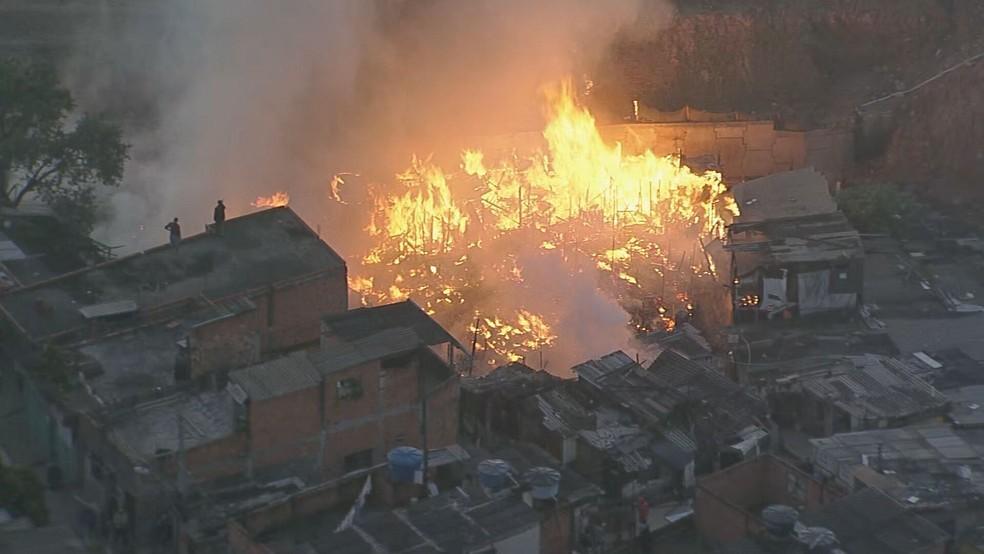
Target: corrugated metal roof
point(373, 347)
point(277, 377)
point(924, 463)
point(872, 386)
point(825, 237)
point(596, 371)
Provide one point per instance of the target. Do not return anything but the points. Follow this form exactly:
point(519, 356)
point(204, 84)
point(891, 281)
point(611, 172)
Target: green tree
point(877, 208)
point(48, 152)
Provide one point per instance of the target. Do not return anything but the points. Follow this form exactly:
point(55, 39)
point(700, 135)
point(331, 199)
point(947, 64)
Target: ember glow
point(275, 200)
point(460, 243)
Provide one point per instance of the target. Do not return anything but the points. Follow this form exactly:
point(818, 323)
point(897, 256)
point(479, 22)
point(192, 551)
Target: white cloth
point(815, 296)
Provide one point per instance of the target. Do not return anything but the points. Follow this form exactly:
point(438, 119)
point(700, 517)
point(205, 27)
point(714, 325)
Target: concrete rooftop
point(255, 250)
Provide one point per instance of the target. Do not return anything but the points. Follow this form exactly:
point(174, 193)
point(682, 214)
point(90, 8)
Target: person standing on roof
point(175, 229)
point(218, 215)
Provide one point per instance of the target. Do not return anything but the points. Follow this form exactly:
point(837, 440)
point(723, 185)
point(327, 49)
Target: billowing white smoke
point(234, 99)
point(239, 92)
point(588, 322)
point(238, 98)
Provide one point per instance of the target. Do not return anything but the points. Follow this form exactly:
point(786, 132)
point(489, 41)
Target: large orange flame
point(275, 200)
point(579, 196)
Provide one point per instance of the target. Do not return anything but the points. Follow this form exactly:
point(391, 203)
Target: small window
point(348, 389)
point(358, 460)
point(840, 280)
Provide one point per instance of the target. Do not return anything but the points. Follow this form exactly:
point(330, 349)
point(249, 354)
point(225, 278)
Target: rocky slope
point(812, 63)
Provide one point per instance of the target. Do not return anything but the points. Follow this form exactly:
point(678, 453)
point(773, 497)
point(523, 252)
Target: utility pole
point(422, 391)
point(182, 466)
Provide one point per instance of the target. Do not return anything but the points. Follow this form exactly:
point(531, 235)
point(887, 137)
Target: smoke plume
point(235, 99)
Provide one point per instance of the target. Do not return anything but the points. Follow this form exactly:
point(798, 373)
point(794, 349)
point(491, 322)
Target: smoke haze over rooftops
point(241, 98)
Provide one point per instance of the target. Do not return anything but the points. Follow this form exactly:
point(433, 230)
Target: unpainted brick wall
point(294, 316)
point(725, 499)
point(224, 344)
point(285, 428)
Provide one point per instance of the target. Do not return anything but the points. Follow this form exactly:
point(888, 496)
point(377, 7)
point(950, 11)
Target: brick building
point(91, 353)
point(348, 404)
point(312, 415)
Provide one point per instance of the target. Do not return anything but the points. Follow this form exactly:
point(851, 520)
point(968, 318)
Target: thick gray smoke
point(234, 99)
point(239, 98)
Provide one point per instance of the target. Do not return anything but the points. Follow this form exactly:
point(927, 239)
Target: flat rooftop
point(464, 519)
point(140, 362)
point(255, 250)
point(788, 218)
point(925, 298)
point(791, 194)
point(360, 323)
point(153, 429)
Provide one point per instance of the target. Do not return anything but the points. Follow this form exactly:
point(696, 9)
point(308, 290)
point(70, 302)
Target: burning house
point(792, 251)
point(481, 248)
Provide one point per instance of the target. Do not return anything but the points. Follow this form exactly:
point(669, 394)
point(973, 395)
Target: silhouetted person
point(175, 229)
point(218, 215)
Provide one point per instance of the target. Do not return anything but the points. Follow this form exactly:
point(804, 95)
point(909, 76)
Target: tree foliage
point(48, 152)
point(22, 493)
point(877, 208)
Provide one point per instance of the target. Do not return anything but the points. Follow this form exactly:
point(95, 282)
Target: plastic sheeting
point(773, 294)
point(815, 296)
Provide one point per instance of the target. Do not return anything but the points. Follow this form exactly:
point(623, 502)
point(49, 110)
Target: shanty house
point(851, 393)
point(792, 251)
point(694, 407)
point(936, 471)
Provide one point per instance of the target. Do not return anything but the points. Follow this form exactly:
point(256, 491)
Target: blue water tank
point(544, 482)
point(493, 474)
point(404, 461)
